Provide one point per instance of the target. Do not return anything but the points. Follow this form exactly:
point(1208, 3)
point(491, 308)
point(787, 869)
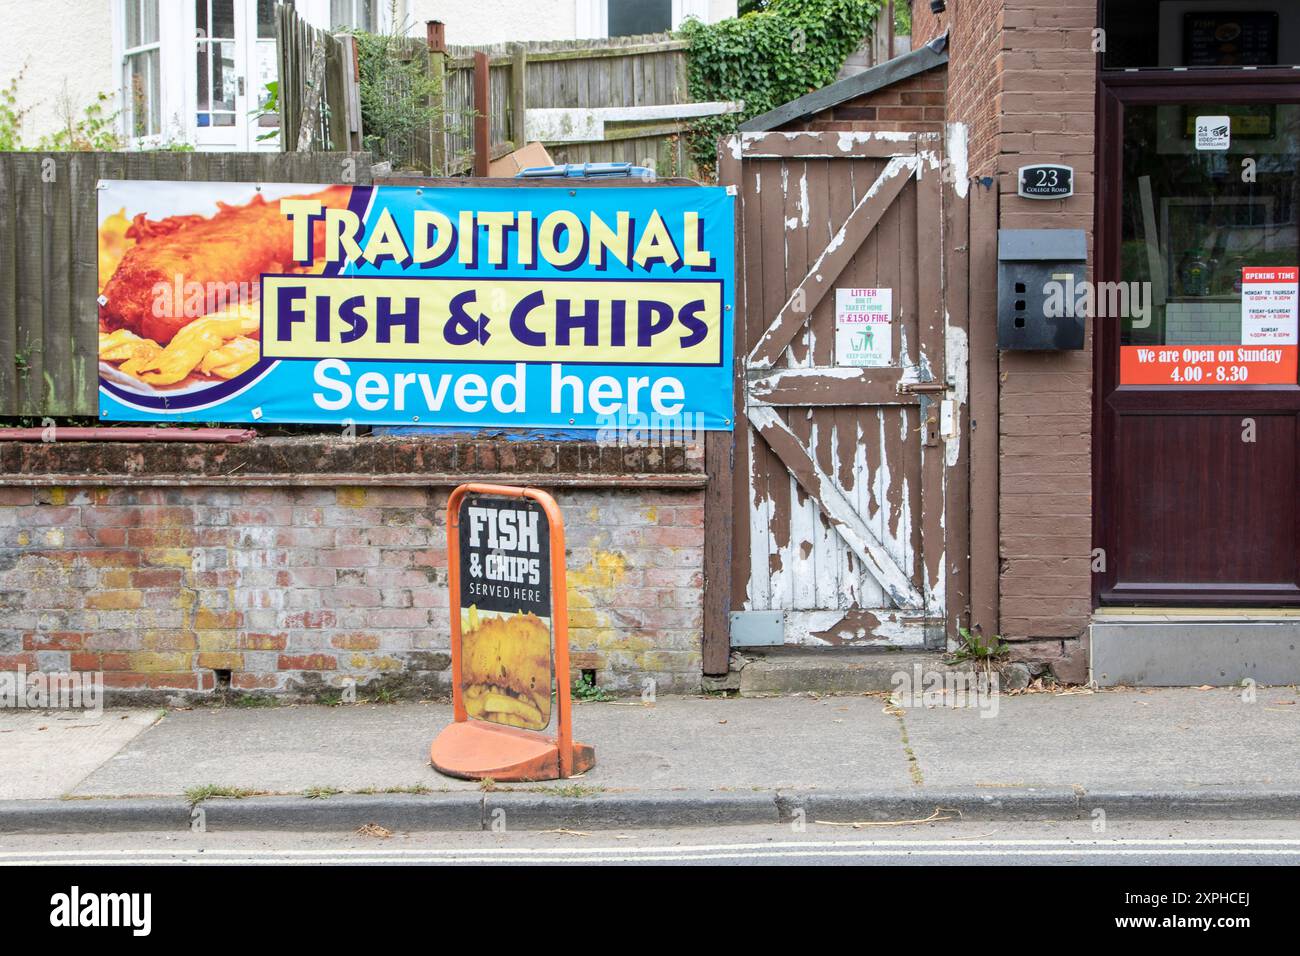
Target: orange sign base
point(476, 750)
point(473, 748)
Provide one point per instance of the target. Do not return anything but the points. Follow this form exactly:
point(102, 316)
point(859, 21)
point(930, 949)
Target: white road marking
point(883, 849)
point(955, 843)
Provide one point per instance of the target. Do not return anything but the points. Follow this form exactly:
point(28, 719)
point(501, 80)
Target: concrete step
point(1219, 649)
point(832, 671)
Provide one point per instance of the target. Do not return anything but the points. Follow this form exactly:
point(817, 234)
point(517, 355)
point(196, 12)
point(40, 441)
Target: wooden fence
point(319, 96)
point(49, 252)
point(569, 74)
point(602, 74)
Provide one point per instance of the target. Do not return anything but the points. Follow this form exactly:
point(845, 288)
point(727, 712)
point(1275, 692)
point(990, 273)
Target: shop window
point(634, 17)
point(141, 84)
point(1211, 238)
point(1200, 34)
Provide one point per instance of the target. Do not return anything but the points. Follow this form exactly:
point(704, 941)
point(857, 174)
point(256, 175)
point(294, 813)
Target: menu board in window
point(1230, 39)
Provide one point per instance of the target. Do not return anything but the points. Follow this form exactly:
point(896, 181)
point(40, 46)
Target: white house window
point(141, 86)
point(354, 15)
point(215, 52)
point(265, 62)
point(633, 17)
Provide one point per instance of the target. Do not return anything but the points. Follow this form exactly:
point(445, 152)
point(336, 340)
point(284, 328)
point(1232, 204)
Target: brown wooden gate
point(850, 484)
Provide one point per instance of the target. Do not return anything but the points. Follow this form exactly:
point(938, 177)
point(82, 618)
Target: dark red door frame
point(1147, 87)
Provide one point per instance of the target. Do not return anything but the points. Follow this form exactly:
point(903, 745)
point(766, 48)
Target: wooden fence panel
point(325, 98)
point(622, 71)
point(49, 257)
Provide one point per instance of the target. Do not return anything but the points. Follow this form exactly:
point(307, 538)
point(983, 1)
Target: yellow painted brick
point(351, 497)
point(115, 578)
point(150, 662)
point(206, 618)
point(58, 496)
point(582, 618)
point(169, 557)
point(164, 640)
point(218, 641)
point(222, 662)
point(115, 600)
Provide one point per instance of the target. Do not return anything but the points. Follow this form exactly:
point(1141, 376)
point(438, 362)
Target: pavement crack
point(913, 765)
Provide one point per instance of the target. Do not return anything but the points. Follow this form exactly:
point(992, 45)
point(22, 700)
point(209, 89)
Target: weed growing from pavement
point(973, 647)
point(197, 795)
point(320, 793)
point(573, 790)
point(254, 700)
point(587, 690)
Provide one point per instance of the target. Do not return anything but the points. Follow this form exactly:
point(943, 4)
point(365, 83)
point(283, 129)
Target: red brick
point(307, 662)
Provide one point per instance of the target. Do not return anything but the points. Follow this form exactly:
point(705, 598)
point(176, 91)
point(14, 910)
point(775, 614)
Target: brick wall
point(1023, 77)
point(915, 104)
point(298, 589)
point(974, 28)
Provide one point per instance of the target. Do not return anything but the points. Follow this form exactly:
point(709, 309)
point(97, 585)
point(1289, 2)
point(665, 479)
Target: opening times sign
point(1267, 355)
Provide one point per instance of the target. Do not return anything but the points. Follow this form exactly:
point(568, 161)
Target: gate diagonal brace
point(837, 508)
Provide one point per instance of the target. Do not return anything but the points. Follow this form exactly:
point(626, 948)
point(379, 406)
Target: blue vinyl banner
point(540, 307)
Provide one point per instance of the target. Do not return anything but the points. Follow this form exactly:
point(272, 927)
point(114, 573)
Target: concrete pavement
point(1142, 753)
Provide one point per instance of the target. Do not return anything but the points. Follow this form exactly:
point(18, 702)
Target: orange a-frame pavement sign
point(509, 639)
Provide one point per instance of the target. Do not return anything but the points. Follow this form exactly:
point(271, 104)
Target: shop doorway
point(1197, 406)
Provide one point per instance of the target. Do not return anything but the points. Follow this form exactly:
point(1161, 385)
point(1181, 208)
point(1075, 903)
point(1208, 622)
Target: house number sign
point(1046, 181)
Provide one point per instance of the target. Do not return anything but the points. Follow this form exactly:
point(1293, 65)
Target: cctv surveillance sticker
point(1213, 133)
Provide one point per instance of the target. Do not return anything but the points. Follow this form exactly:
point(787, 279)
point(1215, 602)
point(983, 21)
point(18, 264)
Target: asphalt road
point(1222, 843)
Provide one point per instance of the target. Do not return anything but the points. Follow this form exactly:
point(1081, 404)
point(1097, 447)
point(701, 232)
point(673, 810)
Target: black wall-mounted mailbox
point(1040, 277)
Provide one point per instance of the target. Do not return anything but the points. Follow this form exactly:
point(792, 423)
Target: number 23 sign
point(1047, 181)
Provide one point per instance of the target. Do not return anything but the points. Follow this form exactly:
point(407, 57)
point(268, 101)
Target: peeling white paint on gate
point(957, 356)
point(958, 157)
point(891, 631)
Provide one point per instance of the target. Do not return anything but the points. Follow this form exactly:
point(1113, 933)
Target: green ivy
point(776, 52)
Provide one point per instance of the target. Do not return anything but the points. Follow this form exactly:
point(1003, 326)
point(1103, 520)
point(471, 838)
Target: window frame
point(593, 16)
point(376, 19)
point(124, 63)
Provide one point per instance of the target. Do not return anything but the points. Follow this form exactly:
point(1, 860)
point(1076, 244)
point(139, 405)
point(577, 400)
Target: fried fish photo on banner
point(180, 287)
